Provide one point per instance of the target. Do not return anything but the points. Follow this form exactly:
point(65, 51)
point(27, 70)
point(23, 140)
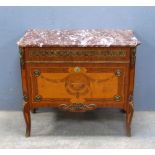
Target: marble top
point(78, 38)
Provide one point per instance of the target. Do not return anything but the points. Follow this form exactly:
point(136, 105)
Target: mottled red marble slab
point(78, 38)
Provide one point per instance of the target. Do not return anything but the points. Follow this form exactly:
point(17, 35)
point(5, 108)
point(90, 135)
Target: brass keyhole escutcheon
point(77, 69)
point(36, 73)
point(118, 72)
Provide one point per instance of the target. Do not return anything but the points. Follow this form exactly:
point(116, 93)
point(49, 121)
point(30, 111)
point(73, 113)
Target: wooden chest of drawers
point(78, 70)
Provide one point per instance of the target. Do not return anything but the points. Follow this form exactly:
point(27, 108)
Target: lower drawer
point(78, 85)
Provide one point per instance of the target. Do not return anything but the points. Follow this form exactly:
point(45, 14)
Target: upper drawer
point(117, 54)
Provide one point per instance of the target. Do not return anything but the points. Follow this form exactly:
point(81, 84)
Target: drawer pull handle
point(77, 69)
point(117, 98)
point(36, 73)
point(118, 72)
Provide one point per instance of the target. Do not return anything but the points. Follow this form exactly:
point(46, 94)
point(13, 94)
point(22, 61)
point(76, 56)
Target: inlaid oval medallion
point(77, 84)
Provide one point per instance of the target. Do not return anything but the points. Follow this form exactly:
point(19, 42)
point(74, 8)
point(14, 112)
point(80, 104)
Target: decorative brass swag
point(77, 107)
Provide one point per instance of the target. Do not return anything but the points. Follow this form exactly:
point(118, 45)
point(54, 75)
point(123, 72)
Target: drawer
point(50, 55)
point(65, 84)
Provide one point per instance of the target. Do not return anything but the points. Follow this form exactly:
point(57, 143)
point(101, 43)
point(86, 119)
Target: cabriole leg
point(26, 112)
point(129, 115)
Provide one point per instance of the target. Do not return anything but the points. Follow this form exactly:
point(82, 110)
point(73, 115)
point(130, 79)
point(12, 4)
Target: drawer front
point(80, 84)
point(50, 55)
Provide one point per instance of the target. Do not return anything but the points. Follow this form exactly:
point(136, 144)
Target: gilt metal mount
point(36, 73)
point(77, 69)
point(25, 98)
point(37, 98)
point(133, 58)
point(21, 52)
point(117, 98)
point(77, 107)
point(118, 72)
point(131, 98)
